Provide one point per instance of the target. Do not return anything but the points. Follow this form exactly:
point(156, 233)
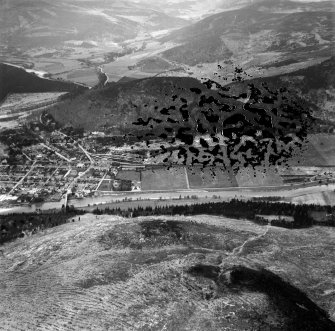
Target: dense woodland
point(15, 226)
point(19, 225)
point(235, 208)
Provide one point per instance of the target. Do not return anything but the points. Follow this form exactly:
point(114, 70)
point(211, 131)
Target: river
point(287, 193)
point(52, 205)
point(103, 77)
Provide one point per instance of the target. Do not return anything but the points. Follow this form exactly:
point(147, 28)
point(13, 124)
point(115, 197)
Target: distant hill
point(47, 23)
point(184, 109)
point(16, 80)
point(284, 29)
point(120, 104)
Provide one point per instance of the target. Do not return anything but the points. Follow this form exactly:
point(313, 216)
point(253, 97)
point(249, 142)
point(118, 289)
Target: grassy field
point(182, 178)
point(19, 102)
point(105, 186)
point(164, 179)
point(129, 175)
point(310, 156)
point(85, 76)
point(318, 150)
point(210, 178)
point(249, 177)
point(325, 146)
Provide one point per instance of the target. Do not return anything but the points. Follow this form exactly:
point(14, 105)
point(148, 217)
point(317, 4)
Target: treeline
point(15, 226)
point(235, 208)
point(19, 225)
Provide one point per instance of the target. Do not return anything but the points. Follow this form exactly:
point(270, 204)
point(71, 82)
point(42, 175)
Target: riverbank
point(317, 194)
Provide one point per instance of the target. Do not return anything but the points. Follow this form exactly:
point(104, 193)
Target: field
point(311, 156)
point(319, 198)
point(85, 76)
point(129, 175)
point(318, 150)
point(19, 102)
point(210, 178)
point(154, 65)
point(105, 186)
point(179, 178)
point(164, 179)
point(249, 177)
point(167, 273)
point(325, 146)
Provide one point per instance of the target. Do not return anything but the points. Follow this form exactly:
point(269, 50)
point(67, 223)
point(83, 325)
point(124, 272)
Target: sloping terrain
point(193, 9)
point(285, 30)
point(18, 102)
point(171, 108)
point(118, 106)
point(161, 102)
point(315, 84)
point(16, 80)
point(45, 23)
point(171, 273)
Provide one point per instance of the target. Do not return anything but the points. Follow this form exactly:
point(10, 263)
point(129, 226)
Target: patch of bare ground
point(167, 273)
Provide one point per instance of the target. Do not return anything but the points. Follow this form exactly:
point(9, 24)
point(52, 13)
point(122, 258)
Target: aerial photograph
point(167, 165)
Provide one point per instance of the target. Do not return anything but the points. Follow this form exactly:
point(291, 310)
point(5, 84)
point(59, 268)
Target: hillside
point(155, 103)
point(69, 39)
point(171, 108)
point(283, 29)
point(315, 84)
point(45, 23)
point(172, 273)
point(119, 105)
point(17, 80)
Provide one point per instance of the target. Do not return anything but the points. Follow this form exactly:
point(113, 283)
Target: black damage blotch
point(237, 125)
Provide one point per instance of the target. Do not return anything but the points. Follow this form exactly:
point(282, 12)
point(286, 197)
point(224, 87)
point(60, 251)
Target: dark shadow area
point(296, 310)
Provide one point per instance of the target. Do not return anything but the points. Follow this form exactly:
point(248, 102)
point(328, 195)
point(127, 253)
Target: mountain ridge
point(17, 80)
point(252, 30)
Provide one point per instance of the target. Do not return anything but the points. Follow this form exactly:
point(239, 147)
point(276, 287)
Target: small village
point(65, 164)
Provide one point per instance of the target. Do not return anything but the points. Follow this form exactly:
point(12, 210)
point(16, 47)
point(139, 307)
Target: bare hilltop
point(168, 273)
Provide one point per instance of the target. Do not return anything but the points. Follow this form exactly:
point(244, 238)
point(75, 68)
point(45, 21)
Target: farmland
point(210, 178)
point(169, 179)
point(129, 175)
point(259, 176)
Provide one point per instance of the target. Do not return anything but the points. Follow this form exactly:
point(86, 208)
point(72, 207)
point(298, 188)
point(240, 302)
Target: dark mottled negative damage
point(234, 126)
